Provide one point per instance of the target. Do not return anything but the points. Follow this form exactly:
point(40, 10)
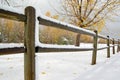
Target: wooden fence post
point(108, 49)
point(29, 38)
point(94, 55)
point(78, 40)
point(118, 48)
point(113, 46)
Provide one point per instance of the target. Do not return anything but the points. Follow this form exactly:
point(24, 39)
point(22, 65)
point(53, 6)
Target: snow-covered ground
point(57, 65)
point(110, 70)
point(62, 65)
point(10, 45)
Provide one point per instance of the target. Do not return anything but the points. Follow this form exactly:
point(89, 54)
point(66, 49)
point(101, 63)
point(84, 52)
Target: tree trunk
point(78, 39)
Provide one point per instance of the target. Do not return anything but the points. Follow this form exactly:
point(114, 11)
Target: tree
point(89, 13)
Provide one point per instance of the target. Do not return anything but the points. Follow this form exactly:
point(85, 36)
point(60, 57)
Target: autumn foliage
point(11, 31)
point(89, 13)
point(54, 35)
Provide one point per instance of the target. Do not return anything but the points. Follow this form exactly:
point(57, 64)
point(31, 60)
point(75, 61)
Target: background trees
point(89, 14)
point(54, 35)
point(11, 31)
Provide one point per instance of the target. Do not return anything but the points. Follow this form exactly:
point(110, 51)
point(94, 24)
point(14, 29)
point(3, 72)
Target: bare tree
point(87, 13)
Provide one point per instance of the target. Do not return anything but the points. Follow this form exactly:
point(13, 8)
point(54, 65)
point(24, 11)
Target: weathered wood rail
point(29, 47)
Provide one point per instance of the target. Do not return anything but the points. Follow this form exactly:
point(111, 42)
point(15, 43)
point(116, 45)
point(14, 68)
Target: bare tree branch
point(86, 8)
point(100, 11)
point(92, 9)
point(7, 2)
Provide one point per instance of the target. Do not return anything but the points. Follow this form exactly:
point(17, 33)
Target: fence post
point(113, 46)
point(78, 40)
point(118, 48)
point(108, 49)
point(29, 38)
point(94, 55)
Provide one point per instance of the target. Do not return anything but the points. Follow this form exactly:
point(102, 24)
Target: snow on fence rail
point(29, 47)
point(12, 15)
point(44, 20)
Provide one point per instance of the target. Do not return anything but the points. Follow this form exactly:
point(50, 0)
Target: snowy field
point(110, 70)
point(52, 66)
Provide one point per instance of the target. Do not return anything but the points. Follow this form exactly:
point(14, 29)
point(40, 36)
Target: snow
point(110, 70)
point(62, 65)
point(59, 65)
point(11, 45)
point(11, 67)
point(83, 45)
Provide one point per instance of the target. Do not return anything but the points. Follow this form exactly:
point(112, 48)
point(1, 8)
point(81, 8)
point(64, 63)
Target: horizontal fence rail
point(53, 49)
point(15, 50)
point(12, 15)
point(29, 47)
point(57, 24)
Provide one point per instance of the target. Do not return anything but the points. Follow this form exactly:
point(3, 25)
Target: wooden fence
point(29, 47)
point(29, 40)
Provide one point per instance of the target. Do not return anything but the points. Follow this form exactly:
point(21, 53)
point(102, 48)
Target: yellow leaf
point(48, 13)
point(43, 73)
